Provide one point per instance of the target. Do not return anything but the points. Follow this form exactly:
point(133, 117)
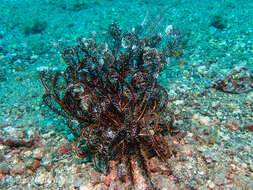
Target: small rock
point(78, 182)
point(48, 135)
point(38, 153)
point(18, 169)
point(178, 123)
point(204, 120)
point(249, 98)
point(219, 114)
point(65, 148)
point(41, 178)
point(34, 57)
point(35, 164)
point(233, 106)
point(179, 102)
point(195, 116)
point(211, 185)
point(49, 165)
point(4, 169)
point(100, 186)
point(232, 125)
point(202, 70)
point(218, 22)
point(1, 157)
point(32, 164)
point(27, 154)
point(87, 186)
point(215, 104)
point(220, 178)
point(169, 30)
point(249, 126)
point(177, 112)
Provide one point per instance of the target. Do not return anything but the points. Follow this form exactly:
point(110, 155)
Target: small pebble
point(18, 169)
point(202, 70)
point(41, 178)
point(211, 185)
point(178, 102)
point(78, 182)
point(4, 169)
point(249, 98)
point(86, 186)
point(249, 126)
point(33, 164)
point(232, 125)
point(34, 57)
point(38, 153)
point(204, 120)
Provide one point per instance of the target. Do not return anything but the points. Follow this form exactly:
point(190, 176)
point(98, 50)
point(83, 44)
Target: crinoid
point(111, 91)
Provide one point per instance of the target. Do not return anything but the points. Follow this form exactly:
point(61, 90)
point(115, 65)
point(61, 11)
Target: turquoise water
point(216, 45)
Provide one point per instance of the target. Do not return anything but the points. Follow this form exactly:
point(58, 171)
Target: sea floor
point(217, 151)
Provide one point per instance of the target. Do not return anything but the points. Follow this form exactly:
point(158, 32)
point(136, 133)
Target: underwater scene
point(126, 94)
